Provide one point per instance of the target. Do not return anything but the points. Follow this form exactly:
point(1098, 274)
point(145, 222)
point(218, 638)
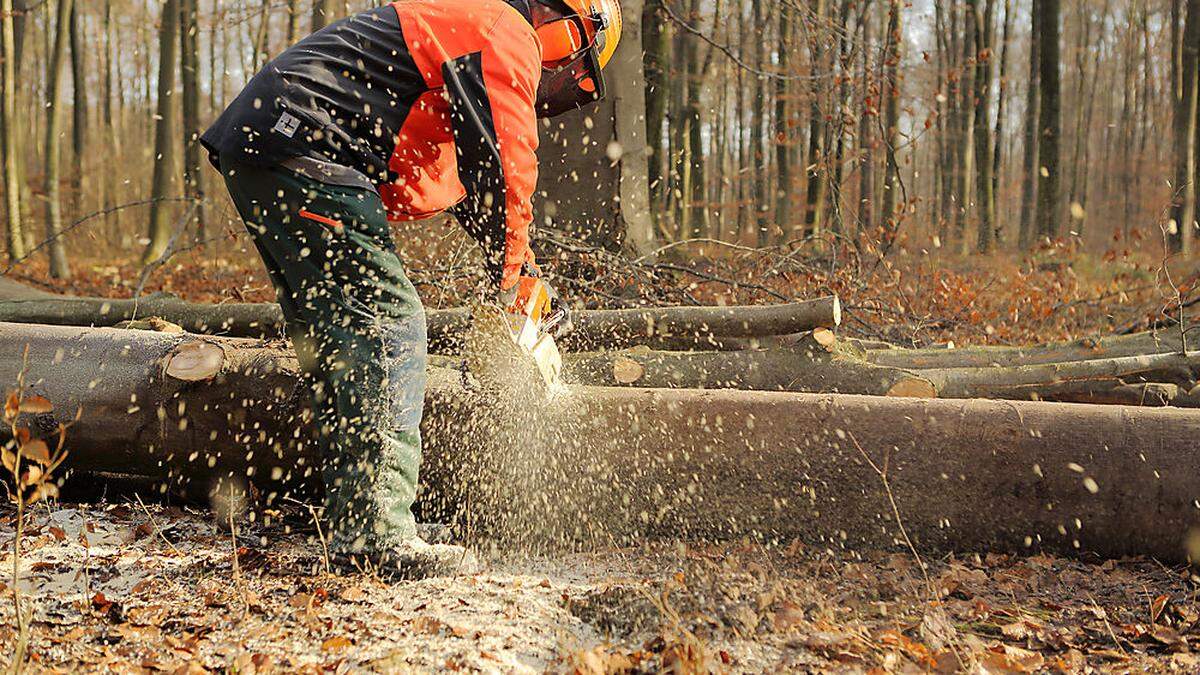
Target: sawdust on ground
point(129, 588)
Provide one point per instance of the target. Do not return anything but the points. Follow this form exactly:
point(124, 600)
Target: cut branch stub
point(195, 361)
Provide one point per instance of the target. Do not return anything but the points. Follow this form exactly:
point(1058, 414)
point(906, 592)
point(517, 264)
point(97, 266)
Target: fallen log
point(631, 464)
point(675, 326)
point(1084, 349)
point(1019, 381)
point(803, 367)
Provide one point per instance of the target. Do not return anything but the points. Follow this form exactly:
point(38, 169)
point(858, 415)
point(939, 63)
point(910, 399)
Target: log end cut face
point(195, 361)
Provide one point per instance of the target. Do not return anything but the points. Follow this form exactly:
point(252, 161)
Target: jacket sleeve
point(491, 96)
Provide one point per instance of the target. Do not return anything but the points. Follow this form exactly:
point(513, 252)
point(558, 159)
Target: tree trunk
point(322, 14)
point(1085, 349)
point(293, 21)
point(1001, 110)
point(783, 162)
point(696, 186)
point(108, 180)
point(189, 69)
point(53, 148)
point(8, 142)
point(985, 65)
point(759, 178)
point(1139, 379)
point(656, 37)
point(262, 36)
point(1080, 136)
point(165, 137)
point(1029, 180)
point(1049, 118)
point(816, 191)
point(630, 464)
point(629, 131)
point(1185, 131)
point(592, 166)
point(866, 165)
point(79, 110)
point(891, 121)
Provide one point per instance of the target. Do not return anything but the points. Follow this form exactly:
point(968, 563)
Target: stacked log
point(624, 464)
point(1145, 369)
point(788, 347)
point(671, 327)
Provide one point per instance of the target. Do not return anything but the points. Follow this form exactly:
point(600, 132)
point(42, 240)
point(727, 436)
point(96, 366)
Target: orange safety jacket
point(432, 101)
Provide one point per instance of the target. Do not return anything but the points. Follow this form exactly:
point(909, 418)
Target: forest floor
point(132, 588)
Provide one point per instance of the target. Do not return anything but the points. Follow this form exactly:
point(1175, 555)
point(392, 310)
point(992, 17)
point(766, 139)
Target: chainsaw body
point(514, 345)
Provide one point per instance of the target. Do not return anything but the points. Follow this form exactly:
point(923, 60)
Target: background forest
point(819, 129)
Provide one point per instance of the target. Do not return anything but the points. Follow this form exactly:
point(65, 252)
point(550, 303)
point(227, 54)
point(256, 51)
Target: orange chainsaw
point(510, 341)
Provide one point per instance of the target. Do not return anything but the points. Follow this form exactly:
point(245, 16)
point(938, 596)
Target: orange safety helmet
point(578, 39)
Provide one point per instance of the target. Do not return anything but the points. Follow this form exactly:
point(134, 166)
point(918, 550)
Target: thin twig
point(154, 524)
point(887, 488)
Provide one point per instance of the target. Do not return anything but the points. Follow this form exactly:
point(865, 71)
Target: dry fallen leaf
point(336, 643)
point(1168, 637)
point(937, 630)
point(787, 616)
point(1021, 630)
point(1005, 660)
point(35, 404)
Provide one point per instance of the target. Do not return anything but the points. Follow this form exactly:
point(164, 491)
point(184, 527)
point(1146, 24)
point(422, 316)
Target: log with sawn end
point(632, 463)
point(1151, 379)
point(680, 327)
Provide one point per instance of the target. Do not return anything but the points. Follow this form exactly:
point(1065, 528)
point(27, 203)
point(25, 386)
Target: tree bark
point(1086, 349)
point(985, 65)
point(593, 328)
point(79, 113)
point(1072, 478)
point(783, 162)
point(293, 21)
point(891, 121)
point(1049, 118)
point(165, 137)
point(322, 14)
point(1001, 110)
point(803, 368)
point(592, 169)
point(59, 268)
point(761, 214)
point(816, 190)
point(8, 141)
point(1029, 180)
point(656, 37)
point(189, 69)
point(1185, 130)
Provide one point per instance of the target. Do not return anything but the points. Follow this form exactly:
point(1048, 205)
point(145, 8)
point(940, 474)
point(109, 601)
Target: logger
point(397, 113)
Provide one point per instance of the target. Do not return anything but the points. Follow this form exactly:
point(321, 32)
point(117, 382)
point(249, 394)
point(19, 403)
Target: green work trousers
point(359, 332)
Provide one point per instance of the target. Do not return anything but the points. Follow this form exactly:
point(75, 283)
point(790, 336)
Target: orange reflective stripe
point(324, 220)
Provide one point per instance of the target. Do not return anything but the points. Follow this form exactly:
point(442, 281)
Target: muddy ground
point(132, 588)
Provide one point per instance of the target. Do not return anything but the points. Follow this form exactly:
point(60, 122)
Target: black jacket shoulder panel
point(340, 95)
